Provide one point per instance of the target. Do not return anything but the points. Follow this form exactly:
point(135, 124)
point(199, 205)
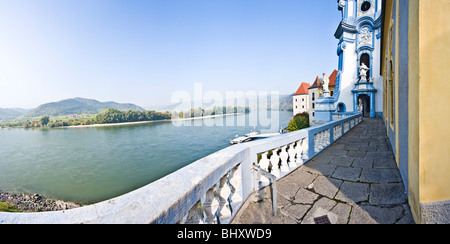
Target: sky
point(143, 51)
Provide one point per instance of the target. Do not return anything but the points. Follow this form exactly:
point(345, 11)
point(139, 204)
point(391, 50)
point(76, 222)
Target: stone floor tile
point(322, 207)
point(366, 163)
point(342, 212)
point(384, 163)
point(352, 192)
point(356, 154)
point(304, 196)
point(347, 173)
point(380, 175)
point(326, 186)
point(319, 168)
point(387, 193)
point(342, 160)
point(369, 214)
point(296, 211)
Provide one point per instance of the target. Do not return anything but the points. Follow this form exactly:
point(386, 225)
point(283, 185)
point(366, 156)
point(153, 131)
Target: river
point(88, 165)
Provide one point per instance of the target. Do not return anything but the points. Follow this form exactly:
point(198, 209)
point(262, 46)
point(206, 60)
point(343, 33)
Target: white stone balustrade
point(210, 190)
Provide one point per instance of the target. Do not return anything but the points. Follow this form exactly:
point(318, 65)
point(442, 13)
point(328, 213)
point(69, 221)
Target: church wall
point(403, 91)
point(419, 131)
point(348, 76)
point(434, 112)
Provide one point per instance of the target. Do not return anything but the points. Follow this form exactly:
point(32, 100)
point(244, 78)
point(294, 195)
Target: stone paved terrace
point(353, 181)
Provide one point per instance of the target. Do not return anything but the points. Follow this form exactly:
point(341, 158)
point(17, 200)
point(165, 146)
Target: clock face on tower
point(365, 6)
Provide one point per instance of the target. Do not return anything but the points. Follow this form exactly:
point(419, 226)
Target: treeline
point(112, 115)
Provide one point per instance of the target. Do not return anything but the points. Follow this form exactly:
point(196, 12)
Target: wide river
point(88, 165)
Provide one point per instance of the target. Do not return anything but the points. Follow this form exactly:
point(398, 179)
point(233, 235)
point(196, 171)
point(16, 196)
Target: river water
point(88, 165)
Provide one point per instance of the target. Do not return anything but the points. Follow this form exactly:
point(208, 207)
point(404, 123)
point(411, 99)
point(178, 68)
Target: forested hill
point(7, 114)
point(79, 106)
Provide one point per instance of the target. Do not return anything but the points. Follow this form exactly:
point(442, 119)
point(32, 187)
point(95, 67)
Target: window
point(313, 96)
point(303, 99)
point(313, 105)
point(296, 100)
point(303, 106)
point(391, 93)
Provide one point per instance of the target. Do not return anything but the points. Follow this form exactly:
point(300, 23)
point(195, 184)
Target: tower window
point(365, 6)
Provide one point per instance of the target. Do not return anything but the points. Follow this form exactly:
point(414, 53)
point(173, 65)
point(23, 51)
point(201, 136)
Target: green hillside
point(7, 114)
point(78, 106)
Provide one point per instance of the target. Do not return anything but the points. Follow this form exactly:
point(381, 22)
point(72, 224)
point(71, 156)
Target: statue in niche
point(363, 72)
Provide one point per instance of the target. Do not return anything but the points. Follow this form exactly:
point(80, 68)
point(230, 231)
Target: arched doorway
point(365, 100)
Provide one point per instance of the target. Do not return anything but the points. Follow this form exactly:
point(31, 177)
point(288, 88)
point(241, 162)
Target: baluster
point(223, 194)
point(284, 159)
point(292, 152)
point(305, 148)
point(275, 163)
point(264, 163)
point(236, 184)
point(316, 142)
point(194, 215)
point(327, 137)
point(210, 206)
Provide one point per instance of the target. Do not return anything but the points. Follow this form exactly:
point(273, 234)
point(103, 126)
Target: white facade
point(300, 103)
point(313, 95)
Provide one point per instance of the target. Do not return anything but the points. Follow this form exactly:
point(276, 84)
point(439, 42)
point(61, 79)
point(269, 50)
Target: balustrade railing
point(210, 190)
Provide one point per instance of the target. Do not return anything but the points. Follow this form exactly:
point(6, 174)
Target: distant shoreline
point(146, 122)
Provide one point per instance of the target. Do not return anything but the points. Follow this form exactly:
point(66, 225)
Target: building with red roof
point(300, 100)
point(306, 96)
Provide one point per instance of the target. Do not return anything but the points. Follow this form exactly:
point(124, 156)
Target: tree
point(44, 120)
point(300, 121)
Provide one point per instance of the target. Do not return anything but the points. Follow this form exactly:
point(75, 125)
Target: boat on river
point(251, 136)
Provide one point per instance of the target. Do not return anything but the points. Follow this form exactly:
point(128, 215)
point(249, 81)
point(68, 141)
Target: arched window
point(391, 92)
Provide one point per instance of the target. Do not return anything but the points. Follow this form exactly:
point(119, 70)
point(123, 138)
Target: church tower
point(360, 83)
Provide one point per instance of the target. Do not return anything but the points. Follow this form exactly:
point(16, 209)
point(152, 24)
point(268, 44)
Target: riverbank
point(34, 203)
point(152, 121)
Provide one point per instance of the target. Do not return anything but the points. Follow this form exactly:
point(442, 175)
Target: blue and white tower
point(359, 35)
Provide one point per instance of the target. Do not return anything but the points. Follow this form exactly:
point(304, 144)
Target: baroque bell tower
point(359, 33)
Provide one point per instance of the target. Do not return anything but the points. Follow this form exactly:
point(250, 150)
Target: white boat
point(251, 134)
point(240, 139)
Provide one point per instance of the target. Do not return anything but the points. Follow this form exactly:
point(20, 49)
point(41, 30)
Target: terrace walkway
point(353, 181)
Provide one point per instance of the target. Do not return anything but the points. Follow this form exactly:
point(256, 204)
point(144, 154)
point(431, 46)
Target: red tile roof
point(317, 83)
point(303, 89)
point(333, 78)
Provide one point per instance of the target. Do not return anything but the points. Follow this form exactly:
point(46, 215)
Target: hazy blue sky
point(143, 51)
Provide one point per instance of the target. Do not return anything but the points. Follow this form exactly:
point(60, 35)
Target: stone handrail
point(210, 190)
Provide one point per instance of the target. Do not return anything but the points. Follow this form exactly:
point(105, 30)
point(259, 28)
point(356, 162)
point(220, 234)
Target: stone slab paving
point(353, 181)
